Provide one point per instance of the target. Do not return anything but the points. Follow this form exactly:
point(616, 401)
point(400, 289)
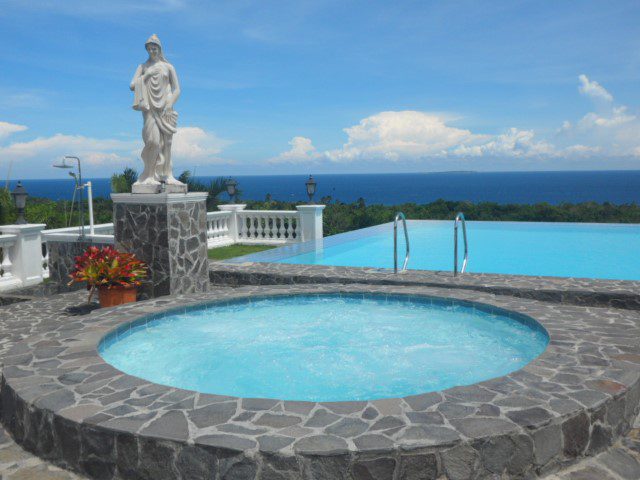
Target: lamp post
point(311, 188)
point(79, 185)
point(20, 195)
point(232, 189)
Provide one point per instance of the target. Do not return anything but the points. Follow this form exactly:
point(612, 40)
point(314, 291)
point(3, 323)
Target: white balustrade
point(268, 226)
point(24, 252)
point(8, 278)
point(219, 229)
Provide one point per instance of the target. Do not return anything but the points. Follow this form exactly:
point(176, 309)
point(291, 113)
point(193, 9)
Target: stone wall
point(171, 238)
point(62, 260)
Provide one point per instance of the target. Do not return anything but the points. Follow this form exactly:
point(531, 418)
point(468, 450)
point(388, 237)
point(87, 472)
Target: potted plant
point(114, 274)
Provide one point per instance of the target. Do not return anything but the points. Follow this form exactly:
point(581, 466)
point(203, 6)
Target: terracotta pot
point(116, 295)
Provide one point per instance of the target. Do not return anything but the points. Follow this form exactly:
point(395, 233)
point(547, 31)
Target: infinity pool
point(327, 347)
point(607, 251)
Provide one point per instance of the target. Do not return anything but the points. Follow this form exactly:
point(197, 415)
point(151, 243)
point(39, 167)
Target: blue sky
point(326, 86)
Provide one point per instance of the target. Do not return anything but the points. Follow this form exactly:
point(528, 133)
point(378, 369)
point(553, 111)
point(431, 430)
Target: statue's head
point(154, 47)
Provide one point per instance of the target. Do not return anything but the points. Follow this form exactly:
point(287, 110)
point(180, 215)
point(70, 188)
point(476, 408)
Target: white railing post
point(310, 222)
point(26, 253)
point(234, 225)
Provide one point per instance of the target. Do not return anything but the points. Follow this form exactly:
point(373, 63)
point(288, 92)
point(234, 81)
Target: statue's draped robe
point(151, 96)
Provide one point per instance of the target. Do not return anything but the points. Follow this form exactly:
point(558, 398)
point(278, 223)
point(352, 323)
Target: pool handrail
point(401, 216)
point(459, 219)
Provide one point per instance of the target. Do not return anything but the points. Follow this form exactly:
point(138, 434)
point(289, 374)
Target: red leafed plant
point(107, 267)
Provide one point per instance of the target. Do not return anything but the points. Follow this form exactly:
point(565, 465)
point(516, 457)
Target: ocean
point(616, 187)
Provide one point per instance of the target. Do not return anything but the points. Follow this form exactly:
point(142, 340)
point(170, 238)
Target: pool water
point(606, 251)
point(327, 347)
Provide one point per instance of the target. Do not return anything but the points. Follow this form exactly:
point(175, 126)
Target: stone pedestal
point(27, 252)
point(168, 232)
point(234, 208)
point(311, 221)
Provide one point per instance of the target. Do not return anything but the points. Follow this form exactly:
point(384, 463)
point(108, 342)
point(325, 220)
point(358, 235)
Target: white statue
point(156, 90)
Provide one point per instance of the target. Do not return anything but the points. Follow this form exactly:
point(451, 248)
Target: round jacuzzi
point(327, 347)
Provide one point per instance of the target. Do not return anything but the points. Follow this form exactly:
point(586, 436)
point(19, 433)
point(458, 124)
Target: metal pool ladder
point(459, 219)
point(401, 216)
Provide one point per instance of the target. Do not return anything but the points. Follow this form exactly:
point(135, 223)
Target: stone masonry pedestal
point(168, 232)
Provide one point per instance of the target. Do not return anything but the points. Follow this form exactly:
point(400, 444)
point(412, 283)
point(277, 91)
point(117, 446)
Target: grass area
point(222, 253)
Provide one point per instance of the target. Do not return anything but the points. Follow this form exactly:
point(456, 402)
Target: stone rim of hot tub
point(42, 400)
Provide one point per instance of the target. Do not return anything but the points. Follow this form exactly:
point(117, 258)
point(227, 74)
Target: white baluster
point(277, 227)
point(274, 227)
point(45, 261)
point(295, 233)
point(246, 227)
point(254, 223)
point(260, 229)
point(288, 229)
point(6, 267)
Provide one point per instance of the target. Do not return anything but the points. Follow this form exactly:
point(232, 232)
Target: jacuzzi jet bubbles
point(332, 347)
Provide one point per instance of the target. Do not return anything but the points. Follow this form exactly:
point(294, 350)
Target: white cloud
point(400, 136)
point(513, 143)
point(7, 129)
point(194, 143)
point(593, 89)
point(60, 144)
point(411, 136)
point(301, 151)
point(581, 150)
point(612, 131)
point(189, 143)
point(617, 116)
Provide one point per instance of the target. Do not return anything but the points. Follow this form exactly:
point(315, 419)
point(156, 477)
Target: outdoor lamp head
point(231, 185)
point(19, 195)
point(311, 187)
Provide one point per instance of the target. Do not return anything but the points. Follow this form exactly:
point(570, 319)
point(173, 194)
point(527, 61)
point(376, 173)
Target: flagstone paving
point(621, 462)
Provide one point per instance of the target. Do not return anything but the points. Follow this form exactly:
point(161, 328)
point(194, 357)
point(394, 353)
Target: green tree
point(7, 209)
point(122, 182)
point(214, 188)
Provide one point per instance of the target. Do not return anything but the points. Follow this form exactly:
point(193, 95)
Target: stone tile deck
point(577, 291)
point(573, 400)
point(15, 462)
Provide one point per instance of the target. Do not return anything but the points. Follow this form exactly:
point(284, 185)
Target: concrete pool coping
point(63, 402)
point(576, 291)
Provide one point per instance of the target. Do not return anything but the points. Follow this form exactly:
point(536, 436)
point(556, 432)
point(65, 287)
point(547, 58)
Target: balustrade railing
point(219, 231)
point(22, 263)
point(268, 227)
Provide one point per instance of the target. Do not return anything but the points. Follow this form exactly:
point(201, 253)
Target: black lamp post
point(232, 190)
point(311, 188)
point(20, 195)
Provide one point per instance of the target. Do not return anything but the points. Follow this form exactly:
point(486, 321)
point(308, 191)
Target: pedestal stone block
point(62, 255)
point(168, 232)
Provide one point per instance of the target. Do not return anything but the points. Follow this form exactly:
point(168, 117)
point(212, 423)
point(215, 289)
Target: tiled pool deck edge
point(61, 401)
point(577, 291)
